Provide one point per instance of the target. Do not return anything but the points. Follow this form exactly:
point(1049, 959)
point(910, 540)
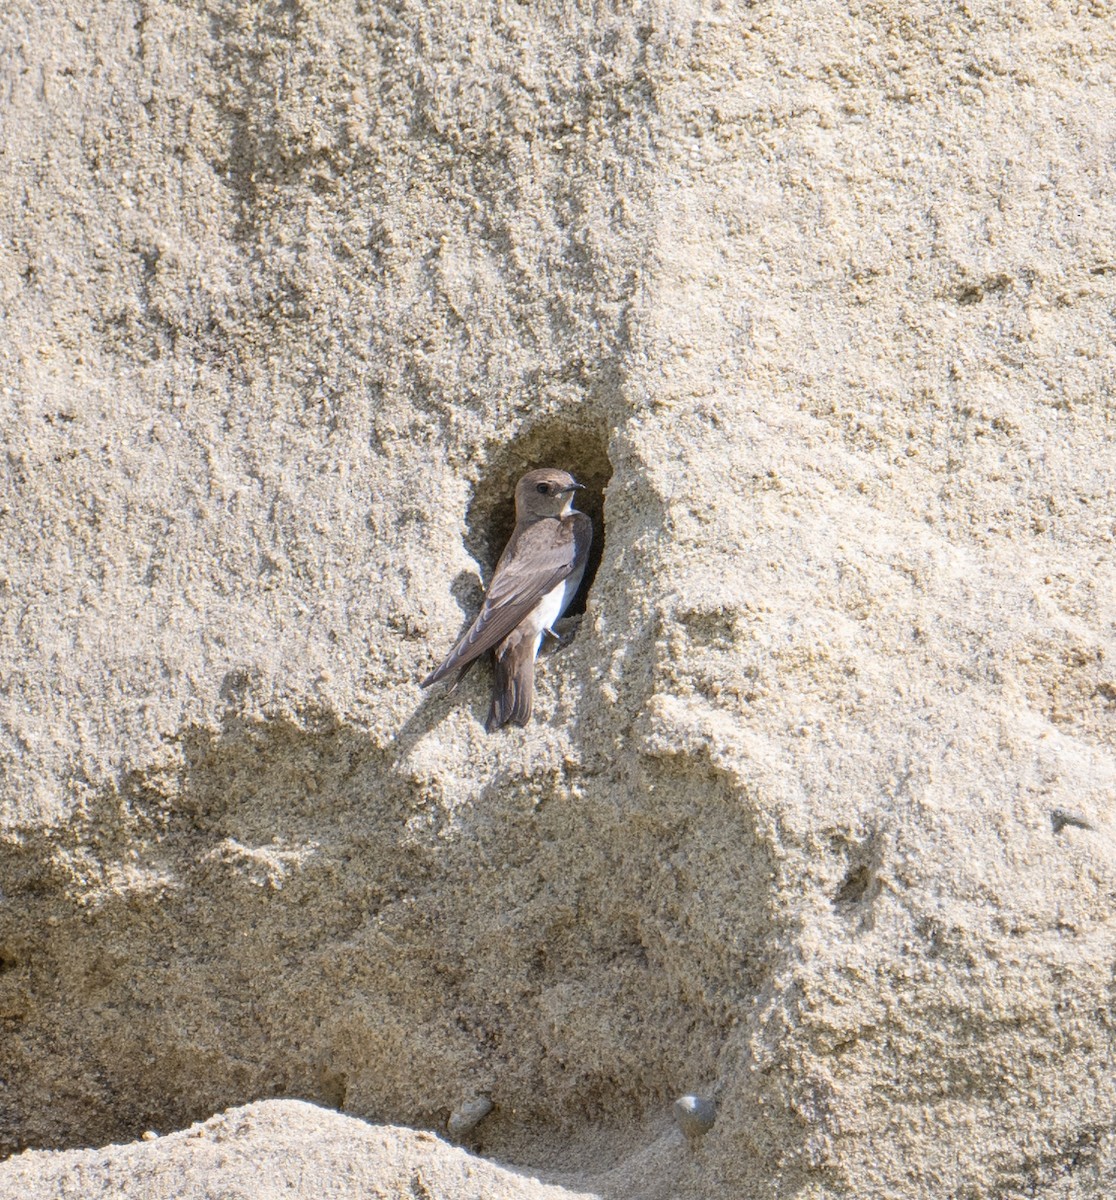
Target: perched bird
point(535, 580)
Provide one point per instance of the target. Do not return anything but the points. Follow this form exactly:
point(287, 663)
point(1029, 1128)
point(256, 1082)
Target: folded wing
point(538, 557)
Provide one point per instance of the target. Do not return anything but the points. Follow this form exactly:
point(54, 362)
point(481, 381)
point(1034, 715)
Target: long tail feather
point(513, 688)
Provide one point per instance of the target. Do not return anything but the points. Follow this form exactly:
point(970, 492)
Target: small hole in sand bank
point(577, 446)
point(854, 886)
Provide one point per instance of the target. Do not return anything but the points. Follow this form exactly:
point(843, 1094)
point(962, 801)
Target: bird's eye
point(542, 487)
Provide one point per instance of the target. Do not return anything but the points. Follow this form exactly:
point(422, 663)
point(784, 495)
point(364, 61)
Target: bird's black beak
point(574, 487)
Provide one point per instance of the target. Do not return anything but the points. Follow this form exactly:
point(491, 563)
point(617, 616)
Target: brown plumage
point(534, 581)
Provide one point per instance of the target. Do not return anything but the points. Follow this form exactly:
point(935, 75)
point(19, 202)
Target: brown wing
point(538, 557)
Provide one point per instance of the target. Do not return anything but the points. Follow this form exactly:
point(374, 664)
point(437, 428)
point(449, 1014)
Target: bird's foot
point(564, 631)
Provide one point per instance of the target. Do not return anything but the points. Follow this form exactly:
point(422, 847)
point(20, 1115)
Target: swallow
point(537, 576)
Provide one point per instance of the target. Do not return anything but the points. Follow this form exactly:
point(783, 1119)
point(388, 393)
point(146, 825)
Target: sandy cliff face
point(816, 812)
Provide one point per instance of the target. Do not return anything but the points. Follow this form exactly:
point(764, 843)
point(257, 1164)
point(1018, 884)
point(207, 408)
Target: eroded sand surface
point(816, 814)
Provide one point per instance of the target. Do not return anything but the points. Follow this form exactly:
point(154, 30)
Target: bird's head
point(545, 493)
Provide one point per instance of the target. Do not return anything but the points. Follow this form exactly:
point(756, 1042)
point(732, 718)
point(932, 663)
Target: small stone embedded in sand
point(466, 1117)
point(695, 1115)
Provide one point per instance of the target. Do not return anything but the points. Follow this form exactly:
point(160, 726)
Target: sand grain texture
point(821, 308)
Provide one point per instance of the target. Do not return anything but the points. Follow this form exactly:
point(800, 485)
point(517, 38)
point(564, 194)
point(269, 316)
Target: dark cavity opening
point(577, 446)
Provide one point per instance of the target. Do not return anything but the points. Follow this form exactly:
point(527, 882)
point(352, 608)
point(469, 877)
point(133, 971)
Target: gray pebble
point(695, 1115)
point(466, 1117)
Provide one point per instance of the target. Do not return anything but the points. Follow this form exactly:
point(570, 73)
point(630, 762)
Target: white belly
point(553, 605)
